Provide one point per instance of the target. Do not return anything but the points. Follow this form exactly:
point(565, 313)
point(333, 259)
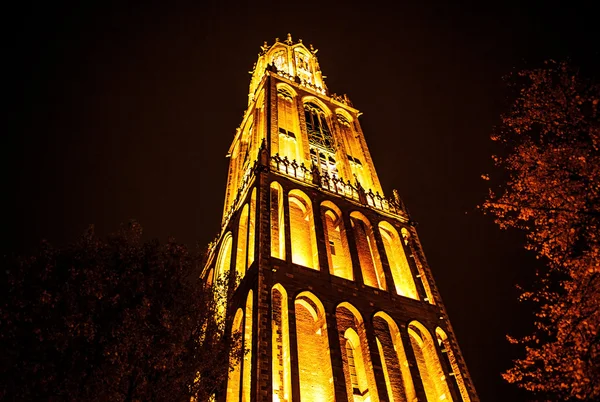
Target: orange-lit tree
point(109, 320)
point(551, 141)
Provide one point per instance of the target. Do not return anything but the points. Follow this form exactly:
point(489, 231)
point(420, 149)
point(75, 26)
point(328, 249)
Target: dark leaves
point(108, 320)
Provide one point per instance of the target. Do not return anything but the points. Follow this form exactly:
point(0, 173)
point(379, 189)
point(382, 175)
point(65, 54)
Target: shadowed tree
point(551, 139)
point(109, 320)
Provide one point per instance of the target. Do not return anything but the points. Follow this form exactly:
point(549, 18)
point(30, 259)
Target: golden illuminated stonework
point(329, 289)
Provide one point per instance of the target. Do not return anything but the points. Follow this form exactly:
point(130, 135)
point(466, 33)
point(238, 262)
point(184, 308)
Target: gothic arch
point(234, 378)
point(221, 276)
point(314, 359)
point(224, 258)
point(344, 113)
point(277, 221)
point(302, 230)
point(248, 352)
point(398, 380)
point(313, 99)
point(336, 241)
point(288, 142)
point(356, 357)
point(448, 352)
point(368, 255)
point(430, 368)
point(242, 244)
point(283, 85)
point(251, 228)
point(401, 273)
point(280, 344)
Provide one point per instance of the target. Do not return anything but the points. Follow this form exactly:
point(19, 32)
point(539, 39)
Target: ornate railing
point(337, 185)
point(313, 176)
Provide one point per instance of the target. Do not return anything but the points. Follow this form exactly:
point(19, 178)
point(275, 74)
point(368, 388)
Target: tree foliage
point(109, 320)
point(551, 139)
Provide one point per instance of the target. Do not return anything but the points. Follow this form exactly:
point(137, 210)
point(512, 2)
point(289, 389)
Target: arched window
point(251, 228)
point(430, 369)
point(447, 351)
point(303, 68)
point(282, 382)
point(242, 244)
point(356, 358)
point(338, 254)
point(395, 367)
point(401, 273)
point(280, 60)
point(370, 262)
point(289, 141)
point(314, 359)
point(221, 275)
point(247, 380)
point(277, 222)
point(317, 128)
point(234, 379)
point(302, 230)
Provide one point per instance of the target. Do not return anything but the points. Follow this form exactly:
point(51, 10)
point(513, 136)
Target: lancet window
point(280, 60)
point(303, 70)
point(289, 143)
point(358, 369)
point(430, 368)
point(401, 273)
point(370, 262)
point(234, 379)
point(222, 269)
point(242, 244)
point(399, 384)
point(247, 365)
point(317, 128)
point(314, 359)
point(251, 228)
point(277, 222)
point(338, 254)
point(282, 386)
point(302, 230)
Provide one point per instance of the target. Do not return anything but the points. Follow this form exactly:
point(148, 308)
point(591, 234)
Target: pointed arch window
point(430, 368)
point(317, 128)
point(401, 273)
point(302, 230)
point(282, 382)
point(242, 245)
point(338, 253)
point(288, 143)
point(368, 255)
point(357, 366)
point(280, 60)
point(277, 222)
point(234, 380)
point(314, 359)
point(395, 366)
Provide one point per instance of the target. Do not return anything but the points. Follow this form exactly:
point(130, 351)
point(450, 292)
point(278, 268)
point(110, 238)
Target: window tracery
point(280, 60)
point(317, 128)
point(303, 70)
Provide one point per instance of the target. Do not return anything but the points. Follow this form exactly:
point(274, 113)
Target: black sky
point(123, 110)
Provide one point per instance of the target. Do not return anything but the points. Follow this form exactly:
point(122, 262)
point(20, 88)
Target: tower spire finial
point(289, 40)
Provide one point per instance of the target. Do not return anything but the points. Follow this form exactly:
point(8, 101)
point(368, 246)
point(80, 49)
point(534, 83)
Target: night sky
point(119, 111)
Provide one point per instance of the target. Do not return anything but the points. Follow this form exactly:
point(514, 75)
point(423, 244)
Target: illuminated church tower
point(331, 292)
